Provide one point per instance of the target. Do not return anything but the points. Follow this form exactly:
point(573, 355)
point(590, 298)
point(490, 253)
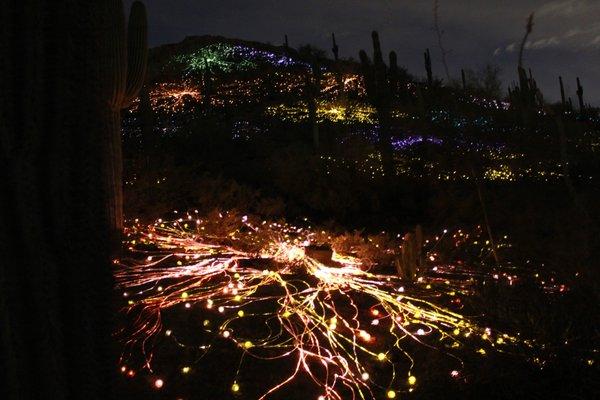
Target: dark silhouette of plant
point(524, 97)
point(379, 94)
point(63, 84)
point(439, 33)
point(315, 57)
point(563, 101)
point(338, 74)
point(335, 49)
point(428, 69)
point(124, 57)
point(580, 97)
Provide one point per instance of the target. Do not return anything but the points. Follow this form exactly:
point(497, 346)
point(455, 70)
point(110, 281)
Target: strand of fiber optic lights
point(313, 330)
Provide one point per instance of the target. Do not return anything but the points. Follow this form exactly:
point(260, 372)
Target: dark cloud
point(565, 40)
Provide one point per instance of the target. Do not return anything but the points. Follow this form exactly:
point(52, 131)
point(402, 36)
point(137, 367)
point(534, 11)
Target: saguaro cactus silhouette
point(123, 59)
point(63, 84)
point(563, 100)
point(580, 96)
point(428, 69)
point(335, 49)
point(379, 94)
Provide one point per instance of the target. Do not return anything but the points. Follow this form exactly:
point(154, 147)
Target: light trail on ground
point(332, 321)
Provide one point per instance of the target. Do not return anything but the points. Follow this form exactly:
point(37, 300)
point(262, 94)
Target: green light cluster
point(218, 57)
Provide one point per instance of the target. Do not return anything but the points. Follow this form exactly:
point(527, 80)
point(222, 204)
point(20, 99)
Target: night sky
point(565, 40)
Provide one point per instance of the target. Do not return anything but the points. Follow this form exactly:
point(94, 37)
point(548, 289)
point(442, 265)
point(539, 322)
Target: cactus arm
point(377, 55)
point(114, 53)
point(137, 52)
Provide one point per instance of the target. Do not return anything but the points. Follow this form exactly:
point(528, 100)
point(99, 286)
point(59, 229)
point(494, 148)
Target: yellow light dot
point(391, 394)
point(248, 344)
point(412, 380)
point(381, 356)
point(456, 331)
point(286, 314)
point(241, 313)
point(184, 295)
point(235, 388)
point(236, 275)
point(481, 351)
point(206, 322)
point(238, 298)
point(185, 370)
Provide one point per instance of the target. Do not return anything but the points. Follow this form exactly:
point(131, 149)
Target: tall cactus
point(339, 80)
point(335, 49)
point(59, 101)
point(563, 100)
point(379, 94)
point(428, 69)
point(580, 96)
point(525, 97)
point(123, 59)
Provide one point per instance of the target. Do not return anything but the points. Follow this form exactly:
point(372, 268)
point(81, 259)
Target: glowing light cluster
point(326, 111)
point(330, 321)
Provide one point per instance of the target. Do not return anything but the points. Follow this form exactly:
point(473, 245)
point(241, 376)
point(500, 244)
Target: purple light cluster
point(266, 56)
point(409, 141)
